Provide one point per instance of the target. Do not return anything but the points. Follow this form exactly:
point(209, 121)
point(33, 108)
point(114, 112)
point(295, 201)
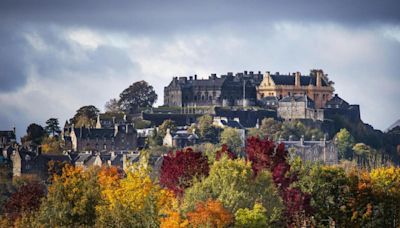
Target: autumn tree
point(138, 95)
point(344, 142)
point(210, 214)
point(134, 201)
point(178, 169)
point(52, 127)
point(233, 183)
point(231, 137)
point(51, 145)
point(86, 116)
point(256, 217)
point(72, 199)
point(264, 156)
point(26, 199)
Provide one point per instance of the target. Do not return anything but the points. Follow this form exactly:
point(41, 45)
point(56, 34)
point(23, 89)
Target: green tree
point(208, 132)
point(34, 134)
point(86, 116)
point(138, 95)
point(231, 137)
point(344, 141)
point(362, 151)
point(52, 126)
point(167, 124)
point(257, 217)
point(232, 182)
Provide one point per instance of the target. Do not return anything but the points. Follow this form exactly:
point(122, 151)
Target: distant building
point(313, 151)
point(316, 86)
point(339, 107)
point(180, 139)
point(118, 160)
point(299, 107)
point(109, 120)
point(121, 137)
point(7, 138)
point(227, 90)
point(26, 162)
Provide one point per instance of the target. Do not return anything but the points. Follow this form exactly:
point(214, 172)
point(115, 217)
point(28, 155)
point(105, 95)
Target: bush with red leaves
point(178, 169)
point(26, 199)
point(264, 155)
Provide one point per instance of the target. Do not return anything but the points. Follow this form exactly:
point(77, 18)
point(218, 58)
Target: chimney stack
point(297, 79)
point(319, 78)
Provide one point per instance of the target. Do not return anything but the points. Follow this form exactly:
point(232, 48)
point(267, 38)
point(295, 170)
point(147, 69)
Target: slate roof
point(290, 80)
point(232, 124)
point(336, 100)
point(302, 98)
point(8, 134)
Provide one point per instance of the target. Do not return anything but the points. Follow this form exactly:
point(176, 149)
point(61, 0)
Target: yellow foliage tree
point(135, 201)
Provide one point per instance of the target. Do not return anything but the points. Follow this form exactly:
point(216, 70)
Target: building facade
point(121, 137)
point(316, 86)
point(227, 90)
point(299, 107)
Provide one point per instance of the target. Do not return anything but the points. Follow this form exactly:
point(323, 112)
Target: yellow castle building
point(316, 86)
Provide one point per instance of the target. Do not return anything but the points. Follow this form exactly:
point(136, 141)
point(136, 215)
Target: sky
point(56, 56)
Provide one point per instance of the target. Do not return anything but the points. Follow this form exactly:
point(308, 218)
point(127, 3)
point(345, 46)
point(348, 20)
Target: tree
point(155, 139)
point(344, 141)
point(362, 151)
point(210, 214)
point(52, 126)
point(264, 156)
point(86, 116)
point(112, 106)
point(178, 169)
point(257, 217)
point(26, 199)
point(51, 145)
point(34, 134)
point(232, 139)
point(72, 199)
point(134, 201)
point(233, 183)
point(329, 188)
point(6, 186)
point(207, 131)
point(167, 124)
point(140, 94)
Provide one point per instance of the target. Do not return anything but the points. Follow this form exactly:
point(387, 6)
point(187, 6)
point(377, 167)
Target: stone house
point(121, 137)
point(7, 138)
point(180, 139)
point(299, 107)
point(322, 151)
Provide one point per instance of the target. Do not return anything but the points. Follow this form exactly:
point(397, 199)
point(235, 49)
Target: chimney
point(190, 78)
point(297, 79)
point(319, 78)
point(195, 77)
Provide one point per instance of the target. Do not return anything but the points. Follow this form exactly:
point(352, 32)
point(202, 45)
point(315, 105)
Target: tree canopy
point(86, 116)
point(138, 95)
point(52, 126)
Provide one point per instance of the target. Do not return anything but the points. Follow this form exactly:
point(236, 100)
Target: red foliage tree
point(178, 169)
point(27, 198)
point(224, 150)
point(263, 154)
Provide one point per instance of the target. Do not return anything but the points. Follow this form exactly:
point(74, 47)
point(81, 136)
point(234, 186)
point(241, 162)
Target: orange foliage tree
point(210, 214)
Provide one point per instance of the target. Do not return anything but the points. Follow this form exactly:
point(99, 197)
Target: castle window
point(195, 98)
point(202, 98)
point(210, 98)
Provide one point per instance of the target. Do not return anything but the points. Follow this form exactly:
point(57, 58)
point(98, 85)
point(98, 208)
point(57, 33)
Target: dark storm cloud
point(12, 64)
point(150, 16)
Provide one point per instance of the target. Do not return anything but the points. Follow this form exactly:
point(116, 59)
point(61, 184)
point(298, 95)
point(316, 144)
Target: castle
point(247, 89)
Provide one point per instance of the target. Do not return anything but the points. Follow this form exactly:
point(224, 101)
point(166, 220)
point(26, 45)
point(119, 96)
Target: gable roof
point(336, 100)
